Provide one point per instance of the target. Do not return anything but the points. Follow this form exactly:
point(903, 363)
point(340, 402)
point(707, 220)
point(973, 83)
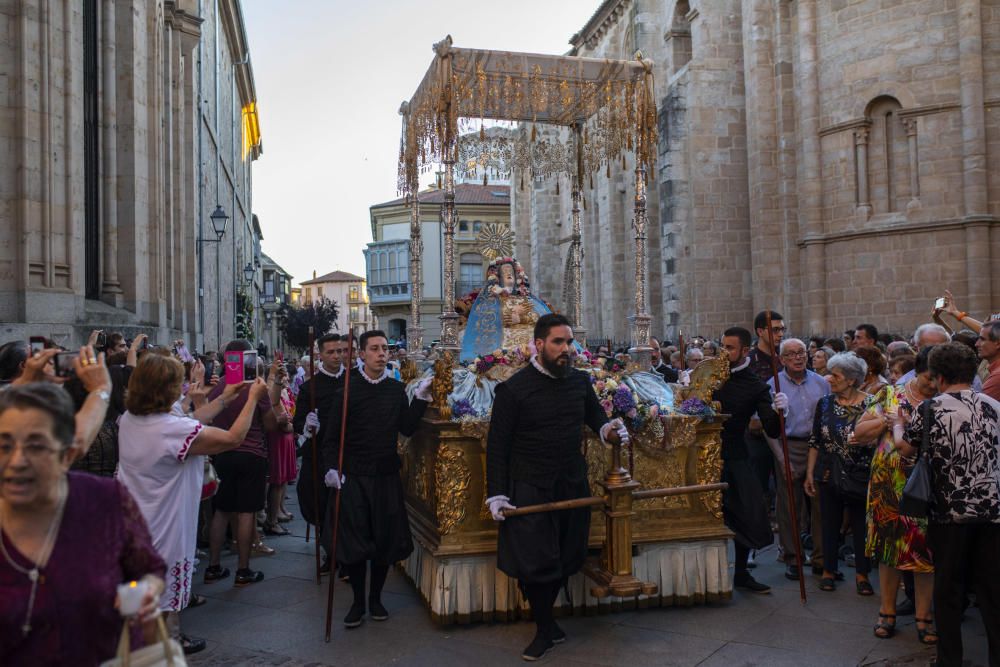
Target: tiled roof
point(465, 193)
point(335, 277)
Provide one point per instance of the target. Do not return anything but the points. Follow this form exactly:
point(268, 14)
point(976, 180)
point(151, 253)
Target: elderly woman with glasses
point(67, 539)
point(838, 470)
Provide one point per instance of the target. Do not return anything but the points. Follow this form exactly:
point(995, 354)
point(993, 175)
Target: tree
point(295, 322)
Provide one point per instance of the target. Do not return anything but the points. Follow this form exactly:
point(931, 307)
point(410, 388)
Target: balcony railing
point(391, 293)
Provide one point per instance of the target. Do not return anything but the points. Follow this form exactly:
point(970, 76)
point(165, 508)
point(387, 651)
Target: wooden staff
point(681, 346)
point(315, 456)
point(590, 501)
point(788, 465)
point(340, 471)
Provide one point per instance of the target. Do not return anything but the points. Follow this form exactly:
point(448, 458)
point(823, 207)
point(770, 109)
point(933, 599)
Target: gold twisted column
point(640, 351)
point(449, 318)
point(415, 332)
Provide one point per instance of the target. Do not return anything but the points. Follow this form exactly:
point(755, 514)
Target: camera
point(939, 304)
point(62, 363)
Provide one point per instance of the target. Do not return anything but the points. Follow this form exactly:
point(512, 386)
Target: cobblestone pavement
point(280, 622)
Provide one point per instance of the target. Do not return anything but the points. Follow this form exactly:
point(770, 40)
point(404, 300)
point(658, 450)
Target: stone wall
point(832, 160)
point(166, 155)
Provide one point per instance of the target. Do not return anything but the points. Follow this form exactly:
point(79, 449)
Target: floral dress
point(894, 539)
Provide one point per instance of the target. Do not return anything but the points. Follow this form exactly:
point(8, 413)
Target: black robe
point(669, 374)
point(742, 396)
point(325, 387)
point(534, 455)
point(373, 522)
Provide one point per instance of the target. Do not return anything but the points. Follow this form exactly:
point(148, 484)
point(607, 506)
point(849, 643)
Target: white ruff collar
point(746, 362)
point(541, 369)
point(371, 381)
point(329, 374)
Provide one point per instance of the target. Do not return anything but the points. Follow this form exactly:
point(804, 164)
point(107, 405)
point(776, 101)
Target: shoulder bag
point(164, 652)
point(918, 494)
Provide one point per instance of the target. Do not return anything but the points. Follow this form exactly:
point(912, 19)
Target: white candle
point(130, 595)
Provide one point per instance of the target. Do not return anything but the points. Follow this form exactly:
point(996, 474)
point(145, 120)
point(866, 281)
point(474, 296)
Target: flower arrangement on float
point(620, 400)
point(516, 358)
point(695, 407)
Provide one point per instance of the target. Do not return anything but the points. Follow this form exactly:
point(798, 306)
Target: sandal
point(827, 584)
point(928, 635)
point(275, 530)
point(884, 629)
point(864, 587)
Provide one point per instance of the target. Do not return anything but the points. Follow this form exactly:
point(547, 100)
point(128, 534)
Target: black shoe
point(792, 572)
point(192, 644)
point(355, 617)
point(342, 574)
point(557, 635)
point(538, 647)
point(752, 585)
point(377, 610)
point(245, 577)
point(907, 608)
point(214, 573)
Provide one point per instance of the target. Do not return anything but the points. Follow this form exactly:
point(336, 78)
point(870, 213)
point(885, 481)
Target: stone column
point(864, 209)
point(809, 184)
point(111, 289)
point(449, 318)
point(415, 332)
point(974, 182)
point(640, 350)
point(910, 125)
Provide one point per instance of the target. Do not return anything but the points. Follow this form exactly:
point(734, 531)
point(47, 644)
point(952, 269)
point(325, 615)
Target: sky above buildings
point(330, 76)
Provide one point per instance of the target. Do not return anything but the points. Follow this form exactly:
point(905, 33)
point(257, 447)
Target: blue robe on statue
point(484, 329)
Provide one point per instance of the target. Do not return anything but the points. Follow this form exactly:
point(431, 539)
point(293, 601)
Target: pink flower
point(488, 359)
point(654, 410)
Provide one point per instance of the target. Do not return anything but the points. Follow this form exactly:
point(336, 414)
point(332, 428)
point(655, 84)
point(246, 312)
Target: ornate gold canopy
point(496, 241)
point(611, 99)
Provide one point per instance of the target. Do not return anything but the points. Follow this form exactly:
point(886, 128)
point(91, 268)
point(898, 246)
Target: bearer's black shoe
point(377, 610)
point(792, 571)
point(748, 583)
point(538, 647)
point(557, 635)
point(355, 617)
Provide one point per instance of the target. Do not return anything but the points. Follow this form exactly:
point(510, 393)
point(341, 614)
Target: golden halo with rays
point(495, 240)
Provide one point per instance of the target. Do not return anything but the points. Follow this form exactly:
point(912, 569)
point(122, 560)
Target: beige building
point(350, 294)
point(123, 127)
point(387, 257)
point(838, 161)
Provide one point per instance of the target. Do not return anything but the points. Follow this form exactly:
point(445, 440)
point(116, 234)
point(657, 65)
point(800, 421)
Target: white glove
point(780, 402)
point(334, 479)
point(423, 391)
point(497, 504)
point(618, 426)
point(312, 423)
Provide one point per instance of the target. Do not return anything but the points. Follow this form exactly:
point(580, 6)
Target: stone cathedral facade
point(123, 125)
point(835, 160)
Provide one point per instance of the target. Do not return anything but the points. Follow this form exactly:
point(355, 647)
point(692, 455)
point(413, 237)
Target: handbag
point(918, 493)
point(165, 652)
point(211, 482)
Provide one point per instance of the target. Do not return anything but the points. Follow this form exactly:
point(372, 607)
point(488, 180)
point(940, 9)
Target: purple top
point(102, 542)
point(256, 440)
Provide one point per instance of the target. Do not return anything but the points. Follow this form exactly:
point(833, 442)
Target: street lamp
point(248, 272)
point(219, 223)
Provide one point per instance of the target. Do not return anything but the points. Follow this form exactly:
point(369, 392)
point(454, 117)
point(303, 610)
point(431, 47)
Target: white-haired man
point(927, 335)
point(803, 388)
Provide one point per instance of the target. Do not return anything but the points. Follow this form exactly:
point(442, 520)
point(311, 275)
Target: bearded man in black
point(534, 455)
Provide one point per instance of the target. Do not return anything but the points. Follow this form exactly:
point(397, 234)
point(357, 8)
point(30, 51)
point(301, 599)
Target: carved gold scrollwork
point(656, 468)
point(419, 477)
point(682, 431)
point(710, 471)
point(707, 376)
point(452, 478)
point(442, 385)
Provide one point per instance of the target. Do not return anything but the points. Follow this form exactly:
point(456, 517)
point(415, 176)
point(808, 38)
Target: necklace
point(33, 573)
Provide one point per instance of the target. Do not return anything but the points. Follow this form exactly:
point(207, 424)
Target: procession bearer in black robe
point(534, 455)
point(328, 376)
point(743, 508)
point(373, 523)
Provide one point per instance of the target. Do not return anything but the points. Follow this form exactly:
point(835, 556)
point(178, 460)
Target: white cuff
point(490, 500)
point(604, 433)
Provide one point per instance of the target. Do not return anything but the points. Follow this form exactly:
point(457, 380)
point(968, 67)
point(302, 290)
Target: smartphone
point(249, 366)
point(63, 363)
point(102, 341)
point(209, 370)
point(36, 344)
point(234, 367)
point(939, 304)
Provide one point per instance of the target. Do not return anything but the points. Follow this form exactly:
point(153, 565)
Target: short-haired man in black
point(373, 523)
point(865, 335)
point(328, 375)
point(742, 396)
point(533, 456)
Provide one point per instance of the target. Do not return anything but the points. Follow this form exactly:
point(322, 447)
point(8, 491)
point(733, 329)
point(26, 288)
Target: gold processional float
point(660, 539)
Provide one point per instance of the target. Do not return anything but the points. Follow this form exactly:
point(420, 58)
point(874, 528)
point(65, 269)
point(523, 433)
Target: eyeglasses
point(779, 329)
point(33, 451)
point(794, 355)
